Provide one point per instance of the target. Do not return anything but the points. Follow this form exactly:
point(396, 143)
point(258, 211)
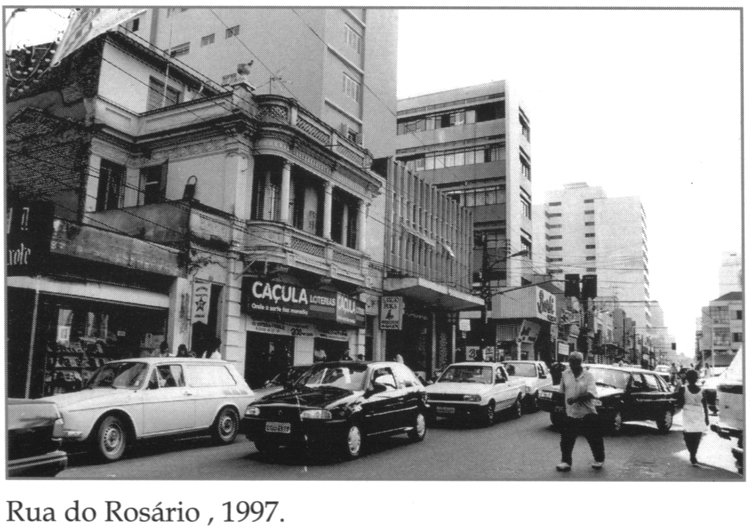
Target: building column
point(364, 212)
point(327, 211)
point(286, 176)
point(344, 224)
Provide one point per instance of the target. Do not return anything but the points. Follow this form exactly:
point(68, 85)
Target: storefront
point(287, 323)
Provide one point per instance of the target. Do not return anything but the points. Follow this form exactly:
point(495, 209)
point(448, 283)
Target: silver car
point(128, 400)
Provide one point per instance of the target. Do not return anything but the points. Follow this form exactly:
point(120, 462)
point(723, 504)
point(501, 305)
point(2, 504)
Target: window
point(739, 314)
point(590, 258)
point(719, 314)
point(589, 212)
point(208, 39)
point(554, 215)
point(525, 169)
point(158, 97)
point(233, 32)
point(554, 237)
point(165, 376)
point(524, 128)
point(154, 184)
point(554, 260)
point(737, 337)
point(178, 51)
point(209, 376)
point(591, 269)
point(721, 336)
point(588, 200)
point(554, 249)
point(353, 39)
point(589, 223)
point(556, 203)
point(352, 88)
point(590, 246)
point(133, 25)
point(525, 207)
point(591, 235)
point(651, 383)
point(110, 193)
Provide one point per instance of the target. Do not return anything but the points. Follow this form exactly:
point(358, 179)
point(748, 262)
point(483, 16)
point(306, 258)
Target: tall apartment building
point(339, 64)
point(473, 143)
point(730, 273)
point(587, 232)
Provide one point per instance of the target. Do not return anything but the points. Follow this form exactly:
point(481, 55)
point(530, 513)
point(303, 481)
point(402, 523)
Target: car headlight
point(315, 414)
point(472, 398)
point(252, 411)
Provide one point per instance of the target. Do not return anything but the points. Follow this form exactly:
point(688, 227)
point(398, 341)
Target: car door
point(502, 392)
point(383, 405)
point(653, 395)
point(167, 404)
point(211, 385)
point(637, 398)
point(411, 386)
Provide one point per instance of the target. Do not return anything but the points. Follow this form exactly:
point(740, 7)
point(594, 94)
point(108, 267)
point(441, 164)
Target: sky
point(639, 102)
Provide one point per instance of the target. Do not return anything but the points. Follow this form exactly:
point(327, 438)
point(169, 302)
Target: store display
point(70, 364)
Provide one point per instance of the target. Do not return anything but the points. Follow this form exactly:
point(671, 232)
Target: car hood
point(89, 398)
point(603, 391)
point(457, 387)
point(310, 397)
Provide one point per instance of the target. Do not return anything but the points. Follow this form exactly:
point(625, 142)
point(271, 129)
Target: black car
point(625, 394)
point(35, 430)
point(338, 406)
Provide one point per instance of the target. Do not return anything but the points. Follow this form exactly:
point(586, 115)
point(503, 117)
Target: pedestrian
point(673, 374)
point(163, 349)
point(361, 357)
point(182, 351)
point(578, 388)
point(555, 372)
point(692, 399)
point(214, 349)
point(319, 355)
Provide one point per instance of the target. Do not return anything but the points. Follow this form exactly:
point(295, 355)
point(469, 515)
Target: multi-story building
point(473, 143)
point(339, 64)
point(730, 273)
point(721, 333)
point(589, 233)
point(149, 204)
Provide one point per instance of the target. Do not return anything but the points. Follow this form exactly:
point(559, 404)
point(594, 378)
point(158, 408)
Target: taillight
point(57, 428)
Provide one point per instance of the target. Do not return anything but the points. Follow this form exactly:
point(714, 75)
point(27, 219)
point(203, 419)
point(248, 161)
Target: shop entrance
point(266, 356)
point(334, 349)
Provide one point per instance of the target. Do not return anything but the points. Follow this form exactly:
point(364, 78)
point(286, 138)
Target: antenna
point(277, 77)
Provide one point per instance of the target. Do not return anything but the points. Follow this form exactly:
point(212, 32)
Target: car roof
point(618, 368)
point(169, 359)
point(476, 364)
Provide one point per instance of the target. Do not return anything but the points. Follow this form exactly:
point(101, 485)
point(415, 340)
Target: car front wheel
point(353, 442)
point(111, 439)
point(418, 432)
point(664, 423)
point(226, 426)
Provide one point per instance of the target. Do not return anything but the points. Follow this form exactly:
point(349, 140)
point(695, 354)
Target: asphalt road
point(513, 449)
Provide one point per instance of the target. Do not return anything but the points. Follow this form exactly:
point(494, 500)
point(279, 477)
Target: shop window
point(111, 183)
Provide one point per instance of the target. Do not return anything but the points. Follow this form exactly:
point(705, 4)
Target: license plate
point(545, 394)
point(446, 409)
point(278, 427)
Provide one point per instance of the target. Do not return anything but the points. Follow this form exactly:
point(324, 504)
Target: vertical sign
point(28, 230)
point(201, 302)
point(391, 313)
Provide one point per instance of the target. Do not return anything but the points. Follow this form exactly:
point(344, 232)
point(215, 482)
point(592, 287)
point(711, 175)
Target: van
point(731, 423)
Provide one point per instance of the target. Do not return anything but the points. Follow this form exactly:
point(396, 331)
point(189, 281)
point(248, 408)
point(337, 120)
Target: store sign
point(201, 302)
point(464, 324)
point(28, 229)
point(391, 313)
point(545, 305)
point(261, 296)
point(563, 348)
point(303, 330)
point(528, 332)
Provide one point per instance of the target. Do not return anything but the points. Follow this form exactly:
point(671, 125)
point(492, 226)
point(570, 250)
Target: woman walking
point(694, 414)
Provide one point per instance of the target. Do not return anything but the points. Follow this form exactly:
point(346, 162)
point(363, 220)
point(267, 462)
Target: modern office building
point(473, 143)
point(339, 64)
point(589, 233)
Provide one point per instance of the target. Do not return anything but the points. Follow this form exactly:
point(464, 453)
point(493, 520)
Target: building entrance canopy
point(431, 293)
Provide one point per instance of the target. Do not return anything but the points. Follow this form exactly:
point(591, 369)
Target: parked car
point(129, 400)
point(35, 430)
point(536, 375)
point(339, 406)
point(731, 422)
point(710, 384)
point(625, 393)
point(665, 372)
point(477, 390)
point(278, 382)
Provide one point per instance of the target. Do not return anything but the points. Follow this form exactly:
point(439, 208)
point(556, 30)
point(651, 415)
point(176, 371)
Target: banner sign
point(545, 305)
point(306, 330)
point(528, 332)
point(28, 228)
point(201, 302)
point(282, 298)
point(391, 313)
point(464, 324)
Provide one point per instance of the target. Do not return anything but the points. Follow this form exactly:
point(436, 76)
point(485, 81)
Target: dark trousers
point(590, 427)
point(692, 441)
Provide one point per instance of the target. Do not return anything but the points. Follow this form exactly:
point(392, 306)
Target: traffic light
point(572, 286)
point(588, 286)
point(674, 346)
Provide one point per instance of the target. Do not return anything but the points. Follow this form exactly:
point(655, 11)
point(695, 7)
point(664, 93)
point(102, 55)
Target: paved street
point(523, 449)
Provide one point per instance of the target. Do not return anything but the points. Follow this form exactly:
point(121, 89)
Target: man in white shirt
point(578, 388)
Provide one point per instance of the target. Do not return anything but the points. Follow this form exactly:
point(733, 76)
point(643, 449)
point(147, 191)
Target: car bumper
point(47, 465)
point(311, 432)
point(455, 410)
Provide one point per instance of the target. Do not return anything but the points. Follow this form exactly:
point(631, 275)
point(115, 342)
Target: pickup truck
point(35, 430)
point(476, 390)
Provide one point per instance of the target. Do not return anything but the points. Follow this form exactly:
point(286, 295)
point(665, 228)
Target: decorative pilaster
point(327, 209)
point(364, 212)
point(286, 177)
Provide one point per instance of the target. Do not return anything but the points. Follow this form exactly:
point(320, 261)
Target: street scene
point(310, 244)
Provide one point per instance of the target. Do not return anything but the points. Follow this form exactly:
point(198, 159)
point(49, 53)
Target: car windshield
point(287, 376)
point(343, 376)
point(468, 374)
point(610, 378)
point(521, 369)
point(118, 375)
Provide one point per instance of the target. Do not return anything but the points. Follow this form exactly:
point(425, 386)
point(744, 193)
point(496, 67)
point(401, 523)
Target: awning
point(431, 293)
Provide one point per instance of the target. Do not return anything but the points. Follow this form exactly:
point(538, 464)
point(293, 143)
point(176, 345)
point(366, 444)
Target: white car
point(127, 400)
point(475, 389)
point(731, 404)
point(536, 376)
